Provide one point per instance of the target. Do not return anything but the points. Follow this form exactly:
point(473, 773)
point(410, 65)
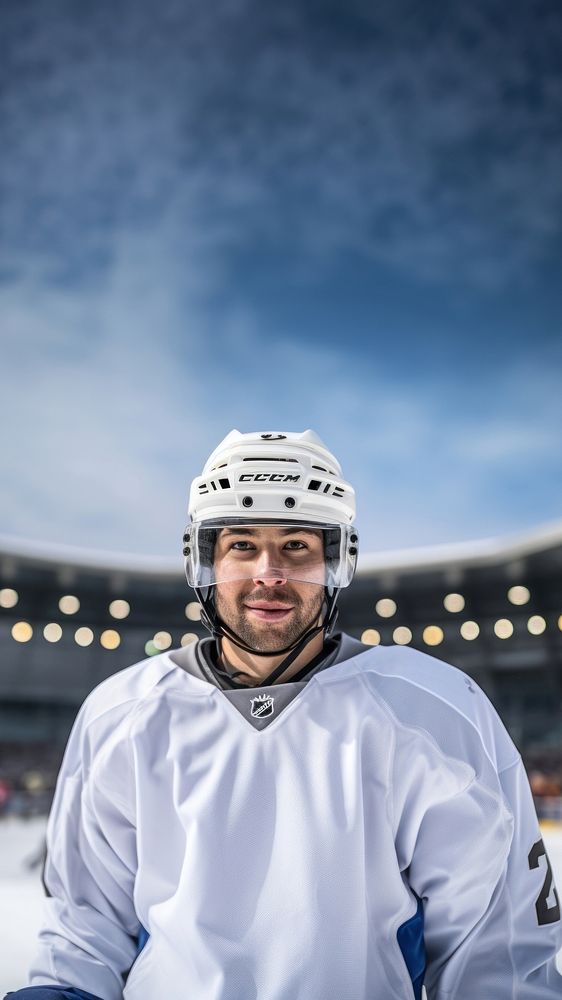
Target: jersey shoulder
point(434, 696)
point(125, 688)
point(422, 670)
point(98, 746)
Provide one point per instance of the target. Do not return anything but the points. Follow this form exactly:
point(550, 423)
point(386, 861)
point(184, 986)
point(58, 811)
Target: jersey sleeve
point(467, 837)
point(459, 833)
point(491, 913)
point(534, 900)
point(88, 937)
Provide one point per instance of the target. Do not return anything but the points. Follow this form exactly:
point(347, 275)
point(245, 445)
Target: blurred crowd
point(545, 779)
point(28, 774)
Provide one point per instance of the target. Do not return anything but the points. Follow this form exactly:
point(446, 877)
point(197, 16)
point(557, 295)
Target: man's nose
point(270, 577)
point(268, 574)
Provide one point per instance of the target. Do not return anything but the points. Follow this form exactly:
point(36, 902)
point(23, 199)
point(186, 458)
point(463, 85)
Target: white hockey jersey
point(342, 841)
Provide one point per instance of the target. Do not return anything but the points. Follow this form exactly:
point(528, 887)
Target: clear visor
point(225, 551)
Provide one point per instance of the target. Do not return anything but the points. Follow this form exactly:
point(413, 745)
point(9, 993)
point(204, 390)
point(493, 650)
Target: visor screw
point(353, 538)
point(290, 502)
point(186, 537)
point(186, 550)
point(247, 502)
point(353, 551)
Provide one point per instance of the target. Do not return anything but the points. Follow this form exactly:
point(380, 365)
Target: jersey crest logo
point(262, 706)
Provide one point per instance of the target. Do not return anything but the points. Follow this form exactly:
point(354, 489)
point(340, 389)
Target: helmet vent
point(269, 458)
point(223, 484)
point(317, 484)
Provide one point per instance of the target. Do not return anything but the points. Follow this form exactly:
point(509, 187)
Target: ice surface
point(21, 895)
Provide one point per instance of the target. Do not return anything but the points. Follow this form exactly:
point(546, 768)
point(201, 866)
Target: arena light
point(110, 638)
point(69, 604)
point(386, 607)
point(52, 632)
point(162, 640)
point(33, 781)
point(188, 638)
point(150, 648)
point(370, 637)
point(503, 628)
point(402, 635)
point(536, 625)
point(453, 603)
point(22, 631)
point(519, 595)
point(8, 598)
point(560, 622)
point(193, 612)
point(83, 636)
point(119, 609)
point(470, 630)
point(433, 635)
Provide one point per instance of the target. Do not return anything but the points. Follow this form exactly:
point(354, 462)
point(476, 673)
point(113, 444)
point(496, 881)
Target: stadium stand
point(69, 618)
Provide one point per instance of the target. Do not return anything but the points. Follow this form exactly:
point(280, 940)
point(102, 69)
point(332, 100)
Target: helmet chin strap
point(220, 629)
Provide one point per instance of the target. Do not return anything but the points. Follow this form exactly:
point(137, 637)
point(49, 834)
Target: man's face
point(269, 600)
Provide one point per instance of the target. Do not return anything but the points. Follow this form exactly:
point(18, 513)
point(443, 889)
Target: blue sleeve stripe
point(51, 993)
point(412, 946)
point(142, 939)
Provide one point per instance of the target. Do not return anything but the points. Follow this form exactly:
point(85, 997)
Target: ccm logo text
point(268, 477)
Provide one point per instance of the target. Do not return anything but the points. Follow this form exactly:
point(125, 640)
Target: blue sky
point(277, 217)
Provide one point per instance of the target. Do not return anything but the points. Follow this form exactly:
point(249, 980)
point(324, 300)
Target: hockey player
point(278, 812)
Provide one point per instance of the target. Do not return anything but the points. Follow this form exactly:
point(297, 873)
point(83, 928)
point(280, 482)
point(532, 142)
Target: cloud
point(437, 459)
point(103, 433)
point(426, 143)
point(100, 412)
point(430, 144)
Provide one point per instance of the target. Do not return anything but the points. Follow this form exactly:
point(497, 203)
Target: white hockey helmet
point(265, 478)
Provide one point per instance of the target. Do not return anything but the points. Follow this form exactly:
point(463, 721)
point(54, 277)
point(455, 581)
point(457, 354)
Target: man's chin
point(267, 638)
point(271, 643)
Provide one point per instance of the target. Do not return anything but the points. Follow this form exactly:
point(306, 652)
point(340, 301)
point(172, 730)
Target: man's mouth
point(271, 611)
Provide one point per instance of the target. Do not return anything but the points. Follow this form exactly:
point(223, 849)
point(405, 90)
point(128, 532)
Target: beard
point(264, 636)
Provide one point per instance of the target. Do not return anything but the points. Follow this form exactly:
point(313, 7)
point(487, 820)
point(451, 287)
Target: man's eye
point(242, 546)
point(295, 545)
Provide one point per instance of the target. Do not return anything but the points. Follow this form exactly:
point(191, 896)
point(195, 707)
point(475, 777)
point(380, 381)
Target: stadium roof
point(461, 555)
point(458, 555)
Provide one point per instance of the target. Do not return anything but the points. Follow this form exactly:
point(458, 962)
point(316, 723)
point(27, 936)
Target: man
point(278, 812)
